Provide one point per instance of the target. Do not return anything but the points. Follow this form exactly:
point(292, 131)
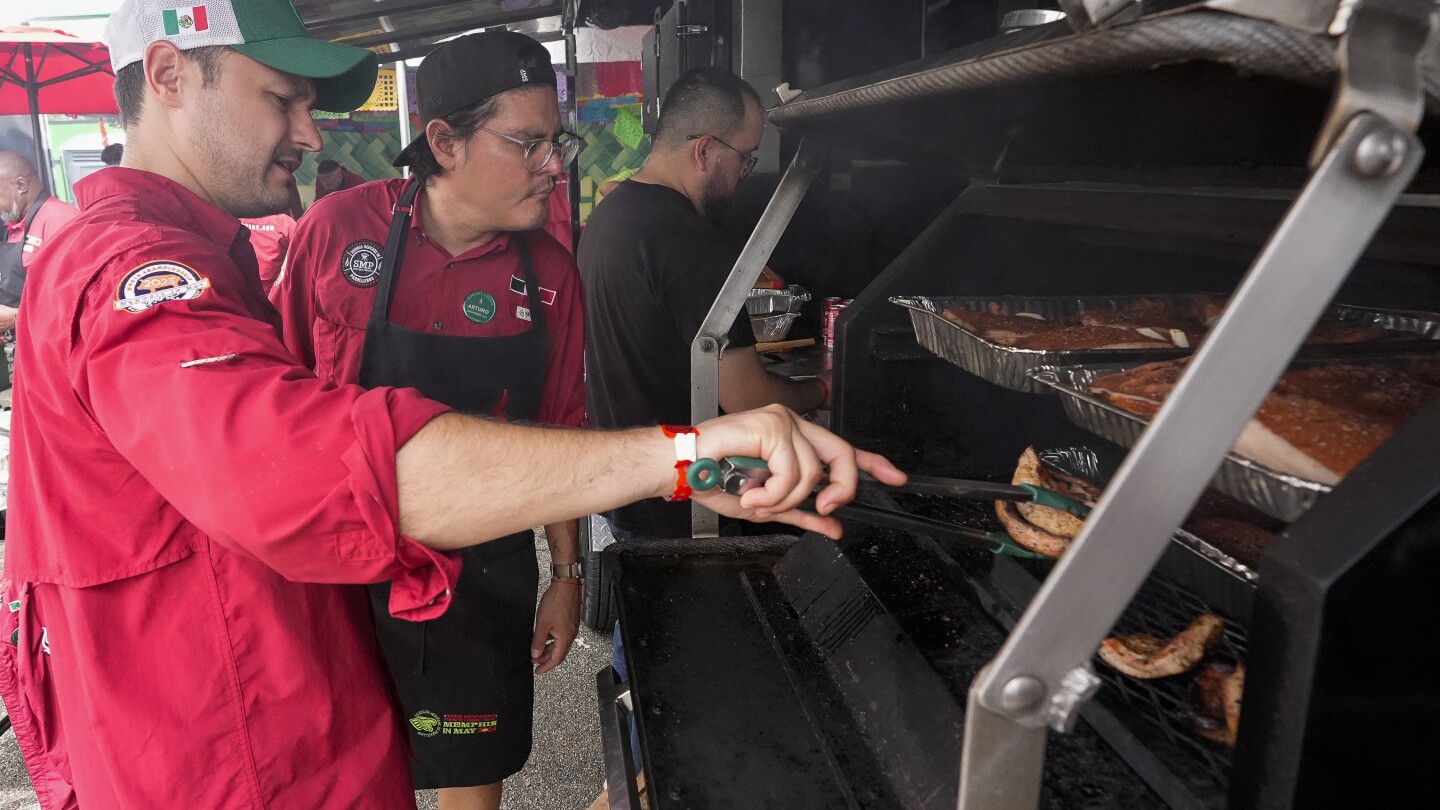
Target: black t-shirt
point(652, 268)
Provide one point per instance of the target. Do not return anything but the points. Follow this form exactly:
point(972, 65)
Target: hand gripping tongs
point(738, 474)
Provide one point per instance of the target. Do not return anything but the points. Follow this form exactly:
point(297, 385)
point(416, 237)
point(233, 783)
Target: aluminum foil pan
point(1009, 367)
point(1277, 494)
point(776, 302)
point(1085, 463)
point(1420, 325)
point(773, 328)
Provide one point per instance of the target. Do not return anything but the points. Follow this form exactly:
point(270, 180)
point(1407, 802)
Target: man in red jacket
point(445, 282)
point(188, 503)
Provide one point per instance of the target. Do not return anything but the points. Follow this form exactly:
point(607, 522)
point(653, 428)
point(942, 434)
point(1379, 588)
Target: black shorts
point(465, 679)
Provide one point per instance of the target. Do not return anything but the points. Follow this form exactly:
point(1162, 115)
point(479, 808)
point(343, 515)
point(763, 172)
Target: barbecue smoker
point(1274, 150)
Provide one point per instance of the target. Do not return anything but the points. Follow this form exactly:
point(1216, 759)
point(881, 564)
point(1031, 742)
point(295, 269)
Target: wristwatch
point(566, 570)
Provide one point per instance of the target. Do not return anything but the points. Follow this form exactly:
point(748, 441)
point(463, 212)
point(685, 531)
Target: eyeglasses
point(750, 160)
point(537, 151)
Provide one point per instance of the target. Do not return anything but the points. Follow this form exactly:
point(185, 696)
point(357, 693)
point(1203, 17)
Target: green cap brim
point(344, 75)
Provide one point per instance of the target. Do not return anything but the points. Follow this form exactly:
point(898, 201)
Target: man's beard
point(239, 191)
point(13, 213)
point(716, 198)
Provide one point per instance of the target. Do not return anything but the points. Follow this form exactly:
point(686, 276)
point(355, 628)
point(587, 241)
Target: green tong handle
point(706, 474)
point(1054, 500)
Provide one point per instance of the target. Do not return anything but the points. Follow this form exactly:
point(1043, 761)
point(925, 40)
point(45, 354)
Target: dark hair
point(463, 123)
point(326, 166)
point(703, 101)
point(112, 154)
point(130, 80)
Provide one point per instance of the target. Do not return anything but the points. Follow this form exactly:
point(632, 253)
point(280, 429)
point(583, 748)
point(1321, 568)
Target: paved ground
point(564, 772)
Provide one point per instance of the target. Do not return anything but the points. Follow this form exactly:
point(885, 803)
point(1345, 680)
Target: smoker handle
point(620, 785)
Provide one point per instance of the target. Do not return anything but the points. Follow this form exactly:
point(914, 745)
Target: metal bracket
point(615, 711)
point(1085, 15)
point(1380, 54)
point(691, 30)
point(787, 94)
point(1040, 676)
point(714, 335)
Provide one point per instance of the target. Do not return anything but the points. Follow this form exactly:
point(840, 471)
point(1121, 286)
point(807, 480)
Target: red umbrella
point(43, 70)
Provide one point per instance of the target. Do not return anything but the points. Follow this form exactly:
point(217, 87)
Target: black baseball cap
point(469, 69)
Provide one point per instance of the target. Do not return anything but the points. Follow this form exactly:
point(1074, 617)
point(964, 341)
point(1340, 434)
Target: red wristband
point(685, 452)
point(824, 389)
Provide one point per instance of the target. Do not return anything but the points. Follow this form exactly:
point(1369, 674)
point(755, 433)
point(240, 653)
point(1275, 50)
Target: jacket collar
point(161, 200)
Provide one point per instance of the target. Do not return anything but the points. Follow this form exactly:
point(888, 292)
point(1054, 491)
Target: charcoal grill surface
point(825, 676)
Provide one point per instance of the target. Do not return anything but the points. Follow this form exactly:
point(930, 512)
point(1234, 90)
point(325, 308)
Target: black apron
point(12, 262)
point(465, 679)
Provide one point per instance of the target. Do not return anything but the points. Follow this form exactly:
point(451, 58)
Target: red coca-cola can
point(830, 310)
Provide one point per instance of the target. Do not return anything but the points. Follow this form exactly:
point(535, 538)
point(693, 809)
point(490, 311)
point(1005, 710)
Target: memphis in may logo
point(185, 20)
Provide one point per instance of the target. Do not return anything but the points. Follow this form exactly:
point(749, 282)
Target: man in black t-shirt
point(653, 259)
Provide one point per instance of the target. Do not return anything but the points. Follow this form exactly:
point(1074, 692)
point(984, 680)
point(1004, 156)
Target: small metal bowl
point(772, 328)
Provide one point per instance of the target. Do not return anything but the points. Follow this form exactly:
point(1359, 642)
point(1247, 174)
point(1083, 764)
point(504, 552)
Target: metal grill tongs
point(738, 474)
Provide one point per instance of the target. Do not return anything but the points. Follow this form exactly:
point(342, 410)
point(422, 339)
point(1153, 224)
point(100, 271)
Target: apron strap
point(532, 284)
point(39, 201)
point(394, 248)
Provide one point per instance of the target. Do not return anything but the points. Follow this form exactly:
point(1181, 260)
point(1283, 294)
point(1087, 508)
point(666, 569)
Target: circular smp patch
point(480, 306)
point(157, 282)
point(361, 263)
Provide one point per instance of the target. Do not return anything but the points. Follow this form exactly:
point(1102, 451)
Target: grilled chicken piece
point(1027, 534)
point(1042, 529)
point(1220, 691)
point(1144, 656)
point(1055, 521)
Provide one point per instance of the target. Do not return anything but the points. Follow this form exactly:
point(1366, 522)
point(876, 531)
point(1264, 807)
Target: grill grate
point(1156, 714)
point(1165, 704)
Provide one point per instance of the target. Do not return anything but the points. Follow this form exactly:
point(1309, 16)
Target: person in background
point(112, 154)
point(30, 215)
point(270, 237)
point(477, 308)
point(653, 259)
point(331, 177)
point(191, 509)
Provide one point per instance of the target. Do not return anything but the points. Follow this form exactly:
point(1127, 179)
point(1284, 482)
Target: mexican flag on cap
point(190, 19)
point(268, 31)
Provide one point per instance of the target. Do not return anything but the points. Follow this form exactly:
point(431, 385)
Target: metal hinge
point(691, 30)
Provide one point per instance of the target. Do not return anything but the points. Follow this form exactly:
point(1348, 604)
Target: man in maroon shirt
point(187, 502)
point(485, 315)
point(30, 215)
point(331, 177)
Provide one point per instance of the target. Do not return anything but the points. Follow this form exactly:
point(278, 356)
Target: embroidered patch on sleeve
point(360, 263)
point(156, 283)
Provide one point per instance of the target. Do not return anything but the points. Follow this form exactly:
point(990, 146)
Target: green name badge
point(480, 306)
